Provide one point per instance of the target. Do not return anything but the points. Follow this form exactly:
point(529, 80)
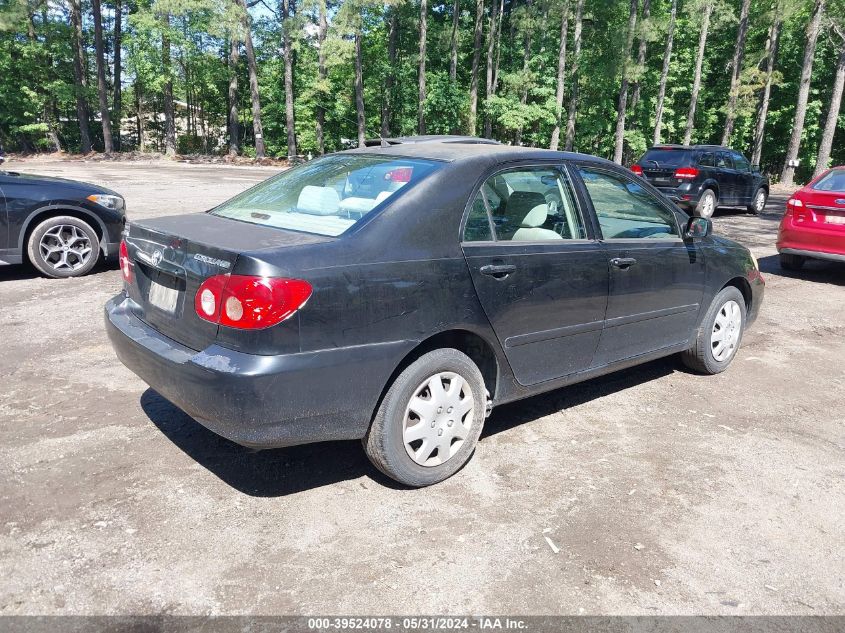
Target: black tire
point(384, 443)
point(791, 262)
point(757, 206)
point(704, 208)
point(78, 265)
point(700, 356)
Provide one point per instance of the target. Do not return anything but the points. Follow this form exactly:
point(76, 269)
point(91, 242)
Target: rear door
point(540, 275)
point(727, 178)
point(656, 279)
point(4, 221)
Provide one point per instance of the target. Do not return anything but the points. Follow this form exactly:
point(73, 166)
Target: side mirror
point(698, 228)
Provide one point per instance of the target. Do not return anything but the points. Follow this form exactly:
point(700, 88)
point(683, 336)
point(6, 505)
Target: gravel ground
point(665, 492)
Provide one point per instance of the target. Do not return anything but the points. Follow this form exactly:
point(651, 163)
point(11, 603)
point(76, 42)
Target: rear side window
point(625, 210)
point(329, 195)
point(532, 204)
point(833, 181)
point(666, 157)
point(723, 160)
point(707, 160)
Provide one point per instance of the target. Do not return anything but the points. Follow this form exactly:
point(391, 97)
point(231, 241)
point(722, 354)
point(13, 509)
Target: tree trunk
point(322, 73)
point(788, 173)
point(359, 89)
point(491, 48)
point(619, 138)
point(234, 127)
point(139, 115)
point(169, 119)
point(736, 67)
point(80, 77)
point(664, 73)
point(476, 58)
point(573, 91)
point(290, 121)
point(453, 57)
point(102, 89)
point(387, 101)
point(117, 98)
point(699, 60)
point(832, 116)
point(257, 130)
point(423, 36)
point(561, 74)
point(641, 53)
point(763, 111)
point(526, 58)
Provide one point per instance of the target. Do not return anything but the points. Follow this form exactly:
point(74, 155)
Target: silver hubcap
point(438, 419)
point(65, 247)
point(726, 331)
point(760, 204)
point(708, 207)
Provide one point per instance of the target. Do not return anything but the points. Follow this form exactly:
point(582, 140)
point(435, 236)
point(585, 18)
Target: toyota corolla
point(396, 294)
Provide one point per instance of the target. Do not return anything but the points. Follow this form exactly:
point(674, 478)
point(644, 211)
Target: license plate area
point(834, 219)
point(164, 292)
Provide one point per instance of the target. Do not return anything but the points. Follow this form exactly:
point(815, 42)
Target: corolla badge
point(222, 263)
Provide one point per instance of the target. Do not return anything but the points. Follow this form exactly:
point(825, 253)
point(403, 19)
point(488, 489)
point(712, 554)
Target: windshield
point(328, 195)
point(834, 180)
point(665, 158)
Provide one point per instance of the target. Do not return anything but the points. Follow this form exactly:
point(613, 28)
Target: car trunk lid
point(826, 209)
point(172, 258)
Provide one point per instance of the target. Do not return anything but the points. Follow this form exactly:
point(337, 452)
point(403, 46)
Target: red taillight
point(248, 302)
point(793, 203)
point(686, 173)
point(637, 170)
point(125, 263)
point(400, 174)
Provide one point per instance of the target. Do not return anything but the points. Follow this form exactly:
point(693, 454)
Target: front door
point(656, 278)
point(4, 224)
point(540, 276)
point(744, 179)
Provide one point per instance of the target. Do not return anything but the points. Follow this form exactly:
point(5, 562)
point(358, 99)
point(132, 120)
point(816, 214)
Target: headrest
point(521, 202)
point(318, 200)
point(536, 217)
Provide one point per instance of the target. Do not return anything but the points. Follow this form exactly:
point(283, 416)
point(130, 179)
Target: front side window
point(326, 196)
point(624, 208)
point(526, 205)
point(740, 162)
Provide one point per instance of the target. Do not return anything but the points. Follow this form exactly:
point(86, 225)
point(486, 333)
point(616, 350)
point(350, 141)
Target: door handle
point(499, 271)
point(623, 262)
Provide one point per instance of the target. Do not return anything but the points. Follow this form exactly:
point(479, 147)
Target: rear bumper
point(809, 241)
point(833, 257)
point(258, 401)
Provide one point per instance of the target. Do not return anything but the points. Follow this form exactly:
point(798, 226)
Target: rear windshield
point(328, 195)
point(832, 181)
point(666, 157)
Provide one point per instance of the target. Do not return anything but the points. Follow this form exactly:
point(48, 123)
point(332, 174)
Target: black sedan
point(61, 226)
point(396, 294)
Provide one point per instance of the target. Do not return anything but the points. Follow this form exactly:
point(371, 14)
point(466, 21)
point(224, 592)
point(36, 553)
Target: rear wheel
point(706, 204)
point(719, 335)
point(63, 246)
point(430, 419)
point(791, 262)
point(758, 202)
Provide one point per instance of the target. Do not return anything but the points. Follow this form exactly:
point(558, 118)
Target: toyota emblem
point(157, 258)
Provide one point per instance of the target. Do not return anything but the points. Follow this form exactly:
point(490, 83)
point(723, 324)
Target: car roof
point(452, 151)
point(690, 147)
point(428, 138)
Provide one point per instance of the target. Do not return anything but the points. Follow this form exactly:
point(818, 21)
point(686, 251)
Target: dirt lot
point(665, 492)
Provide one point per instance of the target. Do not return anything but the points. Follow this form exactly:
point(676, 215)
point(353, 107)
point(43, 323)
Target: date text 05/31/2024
point(417, 623)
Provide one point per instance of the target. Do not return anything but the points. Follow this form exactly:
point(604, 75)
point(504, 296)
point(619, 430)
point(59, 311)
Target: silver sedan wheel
point(760, 201)
point(438, 419)
point(726, 331)
point(65, 247)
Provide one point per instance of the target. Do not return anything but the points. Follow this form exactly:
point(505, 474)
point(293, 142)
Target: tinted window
point(833, 181)
point(478, 224)
point(724, 161)
point(740, 162)
point(707, 160)
point(624, 208)
point(532, 204)
point(327, 195)
point(666, 157)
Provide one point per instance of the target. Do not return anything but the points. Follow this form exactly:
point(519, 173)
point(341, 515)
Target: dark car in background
point(62, 227)
point(702, 178)
point(396, 294)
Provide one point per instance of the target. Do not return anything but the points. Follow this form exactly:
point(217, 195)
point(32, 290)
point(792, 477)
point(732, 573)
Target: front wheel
point(63, 246)
point(706, 204)
point(758, 202)
point(429, 420)
point(719, 335)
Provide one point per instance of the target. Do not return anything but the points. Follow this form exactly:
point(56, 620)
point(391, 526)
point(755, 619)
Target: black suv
point(701, 178)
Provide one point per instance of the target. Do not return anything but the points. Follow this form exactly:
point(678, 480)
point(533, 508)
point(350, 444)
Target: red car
point(814, 224)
